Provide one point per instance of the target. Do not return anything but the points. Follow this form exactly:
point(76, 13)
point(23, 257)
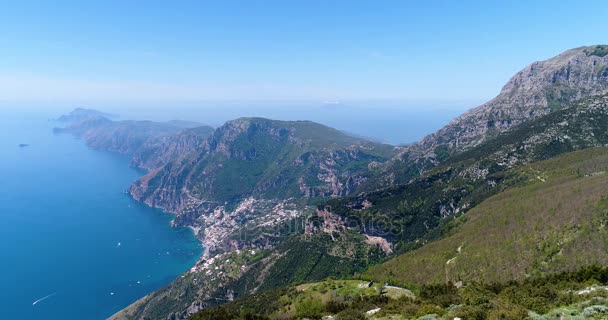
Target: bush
point(592, 311)
point(335, 306)
point(428, 309)
point(508, 311)
point(477, 312)
point(441, 294)
point(537, 298)
point(350, 314)
point(476, 294)
point(310, 308)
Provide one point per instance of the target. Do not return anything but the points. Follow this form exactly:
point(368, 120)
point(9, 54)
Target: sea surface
point(73, 245)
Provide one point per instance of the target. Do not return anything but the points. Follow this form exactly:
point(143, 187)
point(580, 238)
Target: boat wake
point(43, 298)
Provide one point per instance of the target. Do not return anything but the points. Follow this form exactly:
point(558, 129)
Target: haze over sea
point(68, 231)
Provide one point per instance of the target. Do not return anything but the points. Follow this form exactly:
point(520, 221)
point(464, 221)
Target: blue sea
point(70, 238)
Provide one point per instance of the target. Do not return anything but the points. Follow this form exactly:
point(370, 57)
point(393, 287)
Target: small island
point(23, 145)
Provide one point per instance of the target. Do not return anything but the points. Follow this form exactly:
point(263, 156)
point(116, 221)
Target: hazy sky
point(166, 53)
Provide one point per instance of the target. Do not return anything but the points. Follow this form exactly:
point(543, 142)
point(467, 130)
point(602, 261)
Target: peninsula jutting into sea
point(311, 160)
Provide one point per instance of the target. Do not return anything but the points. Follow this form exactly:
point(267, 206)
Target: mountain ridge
point(537, 90)
point(265, 159)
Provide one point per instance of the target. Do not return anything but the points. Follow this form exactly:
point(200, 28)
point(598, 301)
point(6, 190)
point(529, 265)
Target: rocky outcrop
point(537, 90)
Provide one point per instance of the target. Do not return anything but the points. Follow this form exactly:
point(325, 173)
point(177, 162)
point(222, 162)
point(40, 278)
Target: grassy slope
point(307, 300)
point(465, 180)
point(553, 224)
point(560, 296)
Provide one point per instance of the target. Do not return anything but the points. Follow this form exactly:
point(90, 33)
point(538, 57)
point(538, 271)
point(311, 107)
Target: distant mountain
point(264, 159)
point(150, 143)
point(537, 90)
point(79, 114)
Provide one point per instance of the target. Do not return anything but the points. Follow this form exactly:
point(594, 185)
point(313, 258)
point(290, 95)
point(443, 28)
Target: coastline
point(168, 217)
point(101, 249)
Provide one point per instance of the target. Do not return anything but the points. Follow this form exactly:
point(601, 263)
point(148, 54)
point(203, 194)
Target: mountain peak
point(536, 90)
point(583, 66)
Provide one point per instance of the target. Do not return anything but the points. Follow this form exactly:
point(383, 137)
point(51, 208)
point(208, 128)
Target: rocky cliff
point(150, 143)
point(264, 159)
point(537, 90)
point(157, 151)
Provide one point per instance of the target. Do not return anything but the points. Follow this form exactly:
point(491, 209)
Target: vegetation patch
point(552, 297)
point(600, 51)
point(552, 224)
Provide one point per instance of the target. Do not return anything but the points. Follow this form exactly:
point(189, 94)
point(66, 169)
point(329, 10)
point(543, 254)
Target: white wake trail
point(44, 298)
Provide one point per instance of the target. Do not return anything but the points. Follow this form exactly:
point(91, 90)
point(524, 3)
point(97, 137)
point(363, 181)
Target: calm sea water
point(69, 235)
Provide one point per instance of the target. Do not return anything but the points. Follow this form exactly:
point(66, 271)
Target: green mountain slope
point(261, 158)
point(554, 223)
point(574, 295)
point(416, 210)
point(300, 258)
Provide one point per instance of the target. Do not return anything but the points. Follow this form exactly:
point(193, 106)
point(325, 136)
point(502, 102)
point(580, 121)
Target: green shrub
point(507, 311)
point(441, 294)
point(310, 308)
point(350, 314)
point(476, 312)
point(427, 309)
point(335, 306)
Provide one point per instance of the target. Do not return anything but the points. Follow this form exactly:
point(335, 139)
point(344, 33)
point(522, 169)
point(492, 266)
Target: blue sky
point(139, 53)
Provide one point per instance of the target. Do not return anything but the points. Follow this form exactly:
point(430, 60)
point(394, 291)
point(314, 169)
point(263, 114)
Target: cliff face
point(537, 90)
point(264, 159)
point(151, 143)
point(156, 152)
